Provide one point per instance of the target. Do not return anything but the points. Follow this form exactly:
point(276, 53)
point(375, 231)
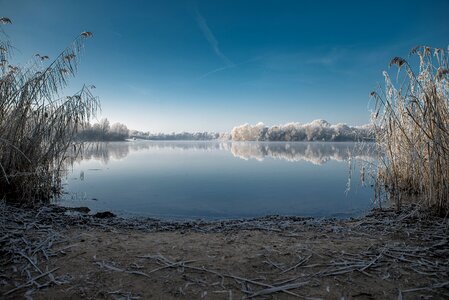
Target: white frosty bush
point(318, 130)
point(247, 132)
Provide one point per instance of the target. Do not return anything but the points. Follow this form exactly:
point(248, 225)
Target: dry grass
point(37, 125)
point(411, 119)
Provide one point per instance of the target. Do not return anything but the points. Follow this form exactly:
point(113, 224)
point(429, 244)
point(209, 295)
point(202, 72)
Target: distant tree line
point(103, 131)
point(317, 130)
point(181, 136)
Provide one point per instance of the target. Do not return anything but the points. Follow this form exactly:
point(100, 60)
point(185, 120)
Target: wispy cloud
point(344, 60)
point(229, 67)
point(210, 37)
point(215, 71)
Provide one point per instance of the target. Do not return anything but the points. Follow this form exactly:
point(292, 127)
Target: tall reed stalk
point(37, 125)
point(411, 119)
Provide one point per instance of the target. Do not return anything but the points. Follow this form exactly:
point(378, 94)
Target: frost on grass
point(411, 117)
point(37, 123)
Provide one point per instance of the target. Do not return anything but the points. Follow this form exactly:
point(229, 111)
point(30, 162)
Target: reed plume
point(411, 120)
point(37, 125)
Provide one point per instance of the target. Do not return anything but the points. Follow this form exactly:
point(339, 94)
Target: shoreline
point(385, 254)
point(145, 218)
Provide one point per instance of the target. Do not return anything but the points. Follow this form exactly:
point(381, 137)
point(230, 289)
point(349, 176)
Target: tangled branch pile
point(37, 126)
point(412, 130)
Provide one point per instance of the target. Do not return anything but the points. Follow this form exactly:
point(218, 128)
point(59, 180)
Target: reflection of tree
point(315, 152)
point(104, 151)
point(179, 145)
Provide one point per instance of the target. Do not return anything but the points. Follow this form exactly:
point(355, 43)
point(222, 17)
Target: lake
point(221, 180)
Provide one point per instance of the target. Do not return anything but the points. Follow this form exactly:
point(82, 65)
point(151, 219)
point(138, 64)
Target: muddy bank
point(50, 253)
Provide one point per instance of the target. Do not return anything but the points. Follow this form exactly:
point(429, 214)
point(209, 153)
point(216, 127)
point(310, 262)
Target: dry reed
point(37, 125)
point(411, 119)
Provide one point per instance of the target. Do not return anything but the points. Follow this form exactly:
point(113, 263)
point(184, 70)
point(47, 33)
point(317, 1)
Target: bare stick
point(30, 281)
point(279, 289)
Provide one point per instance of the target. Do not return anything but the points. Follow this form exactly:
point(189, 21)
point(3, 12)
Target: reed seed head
point(5, 20)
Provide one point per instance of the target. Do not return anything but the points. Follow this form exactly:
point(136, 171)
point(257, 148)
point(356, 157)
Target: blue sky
point(182, 65)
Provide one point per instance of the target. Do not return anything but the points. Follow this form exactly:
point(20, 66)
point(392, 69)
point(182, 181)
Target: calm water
point(220, 180)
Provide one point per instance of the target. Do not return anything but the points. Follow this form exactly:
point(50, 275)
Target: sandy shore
point(49, 254)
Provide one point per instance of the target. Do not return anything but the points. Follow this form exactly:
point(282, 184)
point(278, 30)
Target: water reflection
point(173, 179)
point(315, 152)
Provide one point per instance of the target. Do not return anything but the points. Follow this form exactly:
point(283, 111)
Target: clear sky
point(208, 65)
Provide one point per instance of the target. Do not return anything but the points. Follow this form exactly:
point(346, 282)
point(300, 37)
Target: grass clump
point(411, 119)
point(37, 125)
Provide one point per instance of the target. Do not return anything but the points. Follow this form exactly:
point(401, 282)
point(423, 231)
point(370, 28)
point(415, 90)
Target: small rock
point(104, 215)
point(82, 209)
